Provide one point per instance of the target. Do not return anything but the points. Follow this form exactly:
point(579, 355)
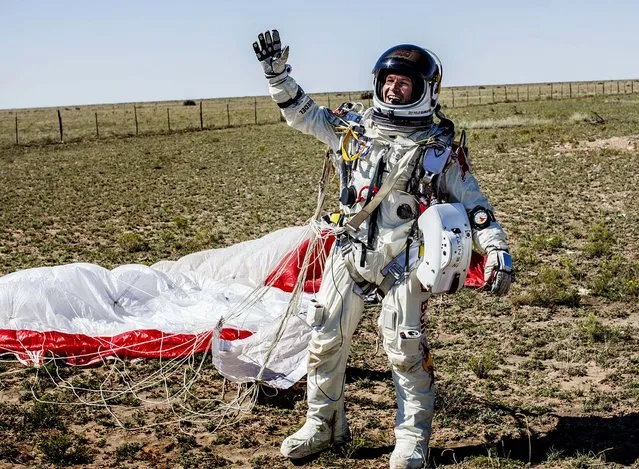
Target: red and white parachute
point(235, 301)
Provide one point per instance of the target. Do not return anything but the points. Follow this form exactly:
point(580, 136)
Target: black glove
point(271, 55)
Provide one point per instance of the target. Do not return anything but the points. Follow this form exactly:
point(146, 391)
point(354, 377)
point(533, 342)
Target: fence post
point(61, 130)
point(135, 115)
point(466, 97)
point(632, 87)
point(479, 91)
point(17, 142)
point(570, 89)
point(617, 87)
point(97, 129)
point(493, 95)
point(518, 94)
point(506, 93)
point(552, 90)
point(228, 116)
point(452, 90)
point(168, 119)
point(255, 108)
point(201, 117)
point(328, 98)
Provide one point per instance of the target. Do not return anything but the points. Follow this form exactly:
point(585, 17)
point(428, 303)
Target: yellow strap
point(349, 133)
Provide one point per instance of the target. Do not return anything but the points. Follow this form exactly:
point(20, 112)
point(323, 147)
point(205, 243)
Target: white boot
point(317, 435)
point(414, 417)
point(409, 454)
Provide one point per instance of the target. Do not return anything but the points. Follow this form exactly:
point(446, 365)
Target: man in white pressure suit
point(394, 160)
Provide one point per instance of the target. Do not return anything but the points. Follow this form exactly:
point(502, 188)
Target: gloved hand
point(498, 272)
point(271, 55)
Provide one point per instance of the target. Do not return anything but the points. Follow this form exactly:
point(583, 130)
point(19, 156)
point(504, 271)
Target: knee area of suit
point(325, 341)
point(403, 362)
point(402, 340)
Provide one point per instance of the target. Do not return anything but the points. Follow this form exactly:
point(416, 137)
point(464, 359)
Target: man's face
point(398, 89)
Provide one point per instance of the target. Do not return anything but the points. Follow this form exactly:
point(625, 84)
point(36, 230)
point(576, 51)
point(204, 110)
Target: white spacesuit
point(394, 160)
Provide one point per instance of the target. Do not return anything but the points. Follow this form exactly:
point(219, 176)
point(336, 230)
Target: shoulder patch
point(435, 160)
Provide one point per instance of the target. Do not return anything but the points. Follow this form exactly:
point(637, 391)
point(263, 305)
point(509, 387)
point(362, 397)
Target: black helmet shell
point(409, 60)
point(424, 69)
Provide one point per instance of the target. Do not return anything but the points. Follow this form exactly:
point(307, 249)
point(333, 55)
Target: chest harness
point(432, 152)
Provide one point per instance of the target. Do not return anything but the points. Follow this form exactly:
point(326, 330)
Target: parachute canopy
point(235, 301)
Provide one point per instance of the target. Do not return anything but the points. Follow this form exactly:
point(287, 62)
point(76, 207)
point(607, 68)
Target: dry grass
point(548, 375)
point(119, 120)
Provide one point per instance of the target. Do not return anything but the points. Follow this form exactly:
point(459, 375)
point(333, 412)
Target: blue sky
point(69, 52)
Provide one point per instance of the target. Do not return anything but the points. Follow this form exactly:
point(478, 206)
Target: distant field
point(42, 125)
point(546, 377)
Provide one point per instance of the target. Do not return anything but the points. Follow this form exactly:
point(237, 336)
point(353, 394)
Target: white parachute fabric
point(230, 300)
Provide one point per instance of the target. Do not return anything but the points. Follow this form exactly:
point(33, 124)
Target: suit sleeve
point(302, 113)
point(459, 185)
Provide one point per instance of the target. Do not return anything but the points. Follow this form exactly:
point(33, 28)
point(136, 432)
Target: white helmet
point(424, 69)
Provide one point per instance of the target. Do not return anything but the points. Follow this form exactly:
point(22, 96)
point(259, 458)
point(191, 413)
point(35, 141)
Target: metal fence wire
point(66, 124)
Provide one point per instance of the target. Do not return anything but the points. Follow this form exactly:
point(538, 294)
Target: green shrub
point(65, 449)
point(482, 364)
point(132, 242)
point(181, 223)
point(593, 330)
point(127, 451)
point(44, 415)
point(617, 280)
point(547, 243)
point(554, 288)
point(599, 242)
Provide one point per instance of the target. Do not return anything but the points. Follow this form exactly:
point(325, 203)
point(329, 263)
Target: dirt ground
point(547, 376)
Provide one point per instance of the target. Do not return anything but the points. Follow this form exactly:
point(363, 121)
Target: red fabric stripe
point(289, 268)
point(81, 349)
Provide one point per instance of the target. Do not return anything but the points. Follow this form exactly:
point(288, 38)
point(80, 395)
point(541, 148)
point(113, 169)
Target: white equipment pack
point(448, 246)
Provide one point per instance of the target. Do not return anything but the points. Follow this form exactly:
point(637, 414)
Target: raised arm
point(299, 110)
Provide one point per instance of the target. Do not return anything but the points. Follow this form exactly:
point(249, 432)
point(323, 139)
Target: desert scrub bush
point(44, 415)
point(65, 449)
point(482, 364)
point(9, 452)
point(598, 401)
point(9, 416)
point(526, 257)
point(547, 242)
point(592, 330)
point(599, 242)
point(190, 459)
point(127, 451)
point(553, 288)
point(617, 280)
point(572, 268)
point(133, 242)
point(181, 223)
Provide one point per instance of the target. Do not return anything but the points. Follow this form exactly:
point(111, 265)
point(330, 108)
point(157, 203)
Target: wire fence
point(68, 124)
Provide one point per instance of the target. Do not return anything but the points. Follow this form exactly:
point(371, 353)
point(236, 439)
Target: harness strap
point(389, 183)
point(395, 271)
